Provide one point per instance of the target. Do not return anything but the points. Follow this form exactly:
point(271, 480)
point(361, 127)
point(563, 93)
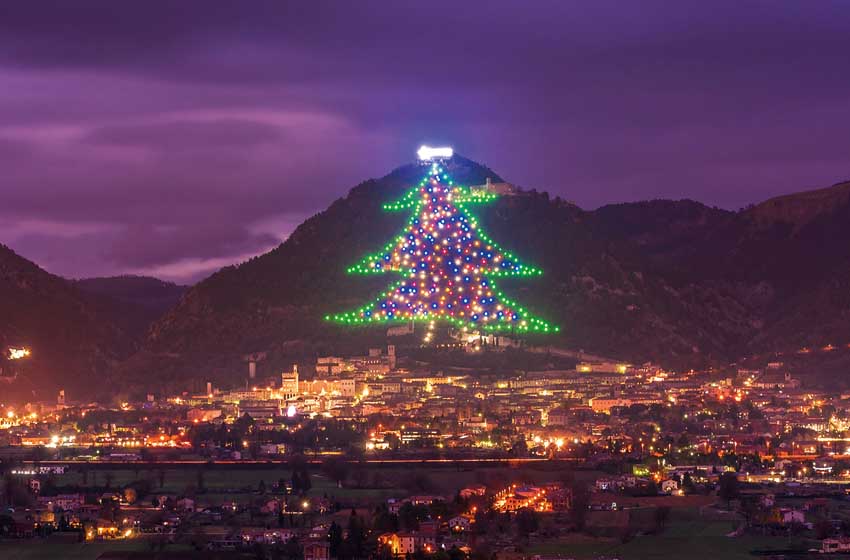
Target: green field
point(693, 539)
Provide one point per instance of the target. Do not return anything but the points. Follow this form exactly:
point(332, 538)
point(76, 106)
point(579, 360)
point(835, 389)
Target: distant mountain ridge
point(133, 302)
point(801, 208)
point(143, 290)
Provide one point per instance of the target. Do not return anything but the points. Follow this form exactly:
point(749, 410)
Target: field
point(694, 539)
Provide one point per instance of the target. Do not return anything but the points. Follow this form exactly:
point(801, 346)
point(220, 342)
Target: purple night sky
point(173, 138)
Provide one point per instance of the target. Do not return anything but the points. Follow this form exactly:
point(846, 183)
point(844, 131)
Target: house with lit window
point(407, 542)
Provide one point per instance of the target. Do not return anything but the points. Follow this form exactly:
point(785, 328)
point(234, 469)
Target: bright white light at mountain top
point(427, 153)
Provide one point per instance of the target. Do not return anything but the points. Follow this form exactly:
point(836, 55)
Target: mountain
point(132, 302)
point(800, 242)
point(676, 282)
point(72, 340)
point(672, 281)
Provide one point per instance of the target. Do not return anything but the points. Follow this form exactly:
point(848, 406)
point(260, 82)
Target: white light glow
point(18, 353)
point(427, 153)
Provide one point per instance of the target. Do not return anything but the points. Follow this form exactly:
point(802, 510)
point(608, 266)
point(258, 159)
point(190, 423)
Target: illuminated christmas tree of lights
point(448, 265)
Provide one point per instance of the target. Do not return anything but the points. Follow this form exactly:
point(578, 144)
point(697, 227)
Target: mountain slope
point(801, 242)
point(72, 340)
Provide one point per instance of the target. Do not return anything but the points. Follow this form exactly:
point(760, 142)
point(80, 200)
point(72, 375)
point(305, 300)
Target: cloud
point(183, 254)
point(142, 246)
point(181, 167)
point(194, 269)
point(187, 135)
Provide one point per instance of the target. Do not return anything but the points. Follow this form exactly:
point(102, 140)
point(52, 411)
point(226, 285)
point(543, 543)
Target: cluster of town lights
point(447, 264)
point(509, 500)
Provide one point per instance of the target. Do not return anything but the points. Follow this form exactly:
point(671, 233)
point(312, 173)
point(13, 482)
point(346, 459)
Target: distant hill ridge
point(801, 208)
